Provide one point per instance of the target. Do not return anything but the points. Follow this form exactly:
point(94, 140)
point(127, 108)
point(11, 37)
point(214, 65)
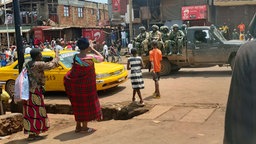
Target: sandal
point(141, 103)
point(88, 130)
point(77, 130)
point(34, 137)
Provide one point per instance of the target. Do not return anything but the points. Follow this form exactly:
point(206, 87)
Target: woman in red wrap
point(80, 86)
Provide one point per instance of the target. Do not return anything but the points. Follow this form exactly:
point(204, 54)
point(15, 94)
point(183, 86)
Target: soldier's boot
point(139, 51)
point(179, 48)
point(179, 51)
point(163, 50)
point(145, 49)
point(170, 50)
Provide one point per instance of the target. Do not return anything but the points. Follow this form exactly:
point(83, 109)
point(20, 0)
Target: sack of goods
point(21, 91)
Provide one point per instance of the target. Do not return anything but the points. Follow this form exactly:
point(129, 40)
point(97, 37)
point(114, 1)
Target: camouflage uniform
point(155, 34)
point(176, 37)
point(184, 30)
point(141, 41)
point(166, 39)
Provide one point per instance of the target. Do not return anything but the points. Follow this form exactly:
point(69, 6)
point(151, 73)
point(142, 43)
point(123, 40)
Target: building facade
point(233, 12)
point(192, 12)
point(56, 18)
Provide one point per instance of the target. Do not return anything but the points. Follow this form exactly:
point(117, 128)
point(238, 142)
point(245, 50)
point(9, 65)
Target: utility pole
point(6, 23)
point(130, 19)
point(19, 45)
point(16, 8)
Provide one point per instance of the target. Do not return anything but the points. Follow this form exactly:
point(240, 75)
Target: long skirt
point(80, 86)
point(34, 113)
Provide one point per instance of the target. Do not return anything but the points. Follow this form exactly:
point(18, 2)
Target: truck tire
point(232, 62)
point(175, 68)
point(165, 67)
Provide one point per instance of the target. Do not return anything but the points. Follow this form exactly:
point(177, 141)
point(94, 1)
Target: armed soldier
point(155, 34)
point(184, 30)
point(166, 39)
point(141, 41)
point(176, 37)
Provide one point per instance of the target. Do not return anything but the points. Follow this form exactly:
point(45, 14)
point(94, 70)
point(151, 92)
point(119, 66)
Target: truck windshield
point(218, 34)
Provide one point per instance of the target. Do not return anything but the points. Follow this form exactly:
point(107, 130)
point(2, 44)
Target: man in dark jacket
point(240, 121)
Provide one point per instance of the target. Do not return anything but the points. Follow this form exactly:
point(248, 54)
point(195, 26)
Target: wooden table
point(1, 104)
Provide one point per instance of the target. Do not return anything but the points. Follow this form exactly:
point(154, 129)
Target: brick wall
point(89, 18)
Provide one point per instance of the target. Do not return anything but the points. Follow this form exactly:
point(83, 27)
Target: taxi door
point(52, 78)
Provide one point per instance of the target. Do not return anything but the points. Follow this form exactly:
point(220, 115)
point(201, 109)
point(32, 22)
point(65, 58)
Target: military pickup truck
point(205, 46)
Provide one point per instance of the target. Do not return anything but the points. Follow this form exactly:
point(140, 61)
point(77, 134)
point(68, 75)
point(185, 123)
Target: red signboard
point(116, 6)
point(194, 12)
point(94, 34)
point(38, 32)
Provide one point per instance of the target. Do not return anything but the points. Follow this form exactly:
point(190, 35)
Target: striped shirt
point(136, 73)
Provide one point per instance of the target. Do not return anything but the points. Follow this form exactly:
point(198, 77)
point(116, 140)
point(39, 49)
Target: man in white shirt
point(27, 50)
point(105, 51)
point(130, 47)
point(58, 46)
point(123, 37)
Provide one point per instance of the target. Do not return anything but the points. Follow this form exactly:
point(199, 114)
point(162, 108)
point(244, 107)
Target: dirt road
point(188, 86)
point(195, 99)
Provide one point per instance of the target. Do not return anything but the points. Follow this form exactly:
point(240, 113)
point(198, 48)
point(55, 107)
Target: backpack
point(21, 91)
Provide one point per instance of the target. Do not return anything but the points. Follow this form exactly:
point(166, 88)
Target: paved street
point(191, 110)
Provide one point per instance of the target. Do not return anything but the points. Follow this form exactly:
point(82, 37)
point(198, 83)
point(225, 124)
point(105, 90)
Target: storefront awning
point(11, 30)
point(54, 28)
point(233, 2)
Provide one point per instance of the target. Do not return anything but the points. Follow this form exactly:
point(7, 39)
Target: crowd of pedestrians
point(9, 55)
point(238, 33)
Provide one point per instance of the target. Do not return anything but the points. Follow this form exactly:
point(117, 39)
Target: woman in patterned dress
point(135, 64)
point(80, 86)
point(34, 113)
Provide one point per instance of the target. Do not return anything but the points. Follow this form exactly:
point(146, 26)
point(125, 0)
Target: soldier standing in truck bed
point(141, 41)
point(166, 39)
point(176, 37)
point(155, 34)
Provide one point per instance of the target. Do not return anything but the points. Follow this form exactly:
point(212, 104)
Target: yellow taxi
point(108, 75)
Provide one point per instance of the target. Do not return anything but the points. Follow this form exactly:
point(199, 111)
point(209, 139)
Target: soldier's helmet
point(175, 26)
point(142, 28)
point(166, 28)
point(155, 27)
point(162, 28)
point(183, 25)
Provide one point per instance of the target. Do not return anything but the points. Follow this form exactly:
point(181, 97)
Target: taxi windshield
point(67, 58)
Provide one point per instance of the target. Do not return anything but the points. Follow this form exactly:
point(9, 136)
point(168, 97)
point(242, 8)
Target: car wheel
point(9, 87)
point(165, 67)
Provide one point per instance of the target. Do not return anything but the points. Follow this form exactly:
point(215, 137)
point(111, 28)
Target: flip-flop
point(35, 138)
point(141, 104)
point(88, 130)
point(77, 130)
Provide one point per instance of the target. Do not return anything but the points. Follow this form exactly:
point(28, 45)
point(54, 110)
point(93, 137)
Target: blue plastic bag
point(21, 91)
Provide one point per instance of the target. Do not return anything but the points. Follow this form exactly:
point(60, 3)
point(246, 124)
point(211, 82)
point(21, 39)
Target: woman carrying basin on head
point(80, 86)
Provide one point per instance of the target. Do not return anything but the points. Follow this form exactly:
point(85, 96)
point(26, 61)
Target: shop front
point(195, 15)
